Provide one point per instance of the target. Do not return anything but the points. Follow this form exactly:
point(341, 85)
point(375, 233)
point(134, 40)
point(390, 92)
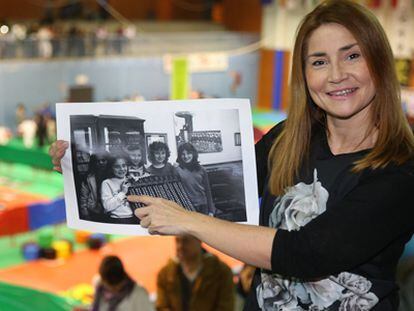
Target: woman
point(335, 178)
point(114, 190)
point(195, 179)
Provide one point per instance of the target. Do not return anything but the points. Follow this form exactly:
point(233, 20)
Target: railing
point(145, 44)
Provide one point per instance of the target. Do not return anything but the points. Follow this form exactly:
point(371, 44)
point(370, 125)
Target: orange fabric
point(285, 85)
point(265, 96)
point(143, 258)
point(11, 198)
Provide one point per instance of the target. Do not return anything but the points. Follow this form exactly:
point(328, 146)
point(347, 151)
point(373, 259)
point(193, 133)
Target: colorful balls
point(45, 237)
point(82, 236)
point(47, 253)
point(63, 249)
point(96, 240)
point(30, 251)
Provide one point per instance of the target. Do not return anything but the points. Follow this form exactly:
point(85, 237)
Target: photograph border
point(65, 110)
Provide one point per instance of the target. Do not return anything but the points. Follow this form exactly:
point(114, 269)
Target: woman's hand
point(248, 243)
point(57, 151)
point(162, 216)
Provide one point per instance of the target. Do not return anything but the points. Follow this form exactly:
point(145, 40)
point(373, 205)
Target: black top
point(340, 234)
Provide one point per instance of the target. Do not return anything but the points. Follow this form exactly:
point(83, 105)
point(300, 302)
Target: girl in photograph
point(90, 205)
point(114, 190)
point(158, 155)
point(195, 179)
point(136, 167)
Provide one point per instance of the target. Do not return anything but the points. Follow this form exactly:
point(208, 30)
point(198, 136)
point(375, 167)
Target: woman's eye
point(317, 63)
point(354, 56)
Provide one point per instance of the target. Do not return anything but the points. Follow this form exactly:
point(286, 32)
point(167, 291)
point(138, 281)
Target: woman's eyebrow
point(344, 48)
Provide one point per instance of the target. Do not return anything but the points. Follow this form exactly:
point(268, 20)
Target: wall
point(36, 82)
point(243, 15)
point(279, 26)
point(227, 122)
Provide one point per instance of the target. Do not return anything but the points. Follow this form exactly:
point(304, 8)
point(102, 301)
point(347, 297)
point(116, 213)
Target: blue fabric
point(277, 80)
point(43, 214)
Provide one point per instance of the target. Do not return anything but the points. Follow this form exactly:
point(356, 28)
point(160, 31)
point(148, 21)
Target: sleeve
point(162, 302)
point(83, 198)
point(142, 301)
point(262, 149)
point(373, 215)
point(225, 301)
point(111, 202)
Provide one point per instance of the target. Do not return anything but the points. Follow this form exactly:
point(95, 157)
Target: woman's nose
point(337, 73)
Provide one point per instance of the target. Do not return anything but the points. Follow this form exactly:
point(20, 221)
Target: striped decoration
point(273, 79)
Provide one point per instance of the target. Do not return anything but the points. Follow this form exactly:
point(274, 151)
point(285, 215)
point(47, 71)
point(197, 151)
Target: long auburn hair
point(395, 141)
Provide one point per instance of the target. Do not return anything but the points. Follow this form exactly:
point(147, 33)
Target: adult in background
point(194, 281)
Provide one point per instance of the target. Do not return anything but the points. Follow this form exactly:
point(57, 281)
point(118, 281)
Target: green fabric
point(265, 118)
point(31, 180)
point(17, 298)
point(16, 152)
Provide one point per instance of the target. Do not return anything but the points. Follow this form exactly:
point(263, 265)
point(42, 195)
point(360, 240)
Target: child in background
point(116, 290)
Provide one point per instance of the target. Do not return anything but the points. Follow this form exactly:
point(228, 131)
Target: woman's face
point(119, 168)
point(337, 75)
point(186, 156)
point(159, 156)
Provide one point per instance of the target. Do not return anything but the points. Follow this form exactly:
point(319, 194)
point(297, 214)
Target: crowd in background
point(32, 40)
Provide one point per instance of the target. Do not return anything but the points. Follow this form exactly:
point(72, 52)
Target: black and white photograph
point(184, 151)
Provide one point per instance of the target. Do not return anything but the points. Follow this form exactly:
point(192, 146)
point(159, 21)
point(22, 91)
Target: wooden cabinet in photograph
point(90, 133)
point(84, 139)
point(118, 132)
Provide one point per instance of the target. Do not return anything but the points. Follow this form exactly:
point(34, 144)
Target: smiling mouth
point(342, 92)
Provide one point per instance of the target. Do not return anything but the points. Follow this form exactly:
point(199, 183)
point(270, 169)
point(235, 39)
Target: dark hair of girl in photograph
point(194, 165)
point(156, 146)
point(109, 172)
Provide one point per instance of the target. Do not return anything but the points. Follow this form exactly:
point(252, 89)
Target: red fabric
point(14, 216)
point(14, 220)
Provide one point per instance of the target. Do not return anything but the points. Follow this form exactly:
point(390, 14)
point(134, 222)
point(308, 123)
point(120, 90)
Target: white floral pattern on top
point(298, 206)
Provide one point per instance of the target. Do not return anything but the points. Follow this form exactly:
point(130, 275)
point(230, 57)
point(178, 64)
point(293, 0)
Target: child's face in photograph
point(159, 156)
point(187, 156)
point(119, 168)
point(101, 162)
point(135, 156)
